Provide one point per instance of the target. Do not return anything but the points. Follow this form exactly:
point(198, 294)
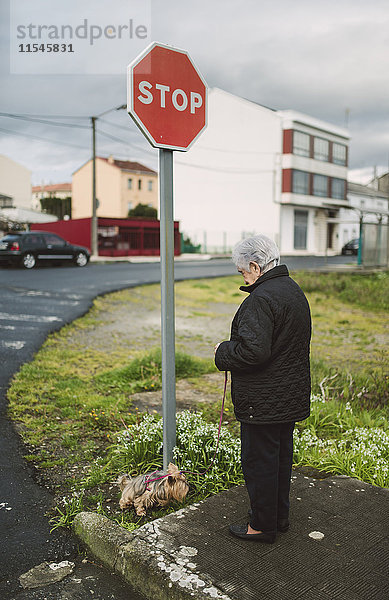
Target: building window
point(320, 185)
point(139, 184)
point(300, 182)
point(6, 201)
point(301, 143)
point(300, 229)
point(337, 188)
point(339, 154)
point(129, 184)
point(150, 186)
point(321, 149)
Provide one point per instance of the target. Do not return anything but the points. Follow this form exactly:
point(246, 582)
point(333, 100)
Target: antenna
point(346, 117)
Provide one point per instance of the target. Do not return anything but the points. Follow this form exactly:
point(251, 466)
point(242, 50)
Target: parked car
point(28, 248)
point(351, 247)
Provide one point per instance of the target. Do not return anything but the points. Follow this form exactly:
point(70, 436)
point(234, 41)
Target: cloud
point(319, 57)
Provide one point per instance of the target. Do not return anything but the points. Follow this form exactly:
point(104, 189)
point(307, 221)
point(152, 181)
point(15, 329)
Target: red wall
point(78, 231)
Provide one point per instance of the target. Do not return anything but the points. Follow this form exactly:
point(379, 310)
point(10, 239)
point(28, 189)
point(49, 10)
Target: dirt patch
point(134, 324)
point(188, 395)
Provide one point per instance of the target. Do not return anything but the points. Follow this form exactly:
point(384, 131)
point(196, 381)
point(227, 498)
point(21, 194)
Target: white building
point(314, 184)
point(15, 196)
point(255, 170)
point(15, 184)
point(368, 204)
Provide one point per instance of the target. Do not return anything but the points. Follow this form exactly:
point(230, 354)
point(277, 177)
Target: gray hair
point(259, 249)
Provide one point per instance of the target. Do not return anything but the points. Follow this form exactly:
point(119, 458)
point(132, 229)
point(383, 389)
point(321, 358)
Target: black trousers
point(267, 456)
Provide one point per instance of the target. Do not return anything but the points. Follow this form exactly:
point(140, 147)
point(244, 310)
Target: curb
point(152, 259)
point(144, 558)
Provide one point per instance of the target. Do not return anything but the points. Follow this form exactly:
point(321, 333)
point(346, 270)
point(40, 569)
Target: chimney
point(111, 159)
point(375, 178)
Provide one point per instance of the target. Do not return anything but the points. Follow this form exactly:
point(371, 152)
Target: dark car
point(351, 247)
point(27, 248)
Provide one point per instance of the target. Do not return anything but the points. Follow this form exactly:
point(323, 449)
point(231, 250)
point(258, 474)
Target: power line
point(112, 137)
point(62, 143)
point(111, 124)
point(227, 170)
point(38, 119)
point(44, 121)
point(234, 151)
point(47, 116)
point(127, 143)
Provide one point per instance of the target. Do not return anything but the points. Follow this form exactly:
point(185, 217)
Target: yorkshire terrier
point(159, 487)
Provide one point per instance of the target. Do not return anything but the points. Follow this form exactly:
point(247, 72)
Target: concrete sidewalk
point(152, 259)
point(337, 547)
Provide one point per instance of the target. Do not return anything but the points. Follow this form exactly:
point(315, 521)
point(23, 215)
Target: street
point(33, 304)
point(37, 302)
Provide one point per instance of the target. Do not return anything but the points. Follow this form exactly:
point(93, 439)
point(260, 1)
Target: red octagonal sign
point(167, 97)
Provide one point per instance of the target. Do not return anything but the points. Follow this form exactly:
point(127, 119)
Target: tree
point(57, 206)
point(143, 210)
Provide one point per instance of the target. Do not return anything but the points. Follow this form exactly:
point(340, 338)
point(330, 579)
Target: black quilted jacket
point(268, 352)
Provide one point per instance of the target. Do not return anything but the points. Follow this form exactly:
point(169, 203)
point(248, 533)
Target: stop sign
point(167, 97)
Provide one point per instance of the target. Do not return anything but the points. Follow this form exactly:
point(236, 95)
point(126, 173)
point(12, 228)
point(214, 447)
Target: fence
point(374, 245)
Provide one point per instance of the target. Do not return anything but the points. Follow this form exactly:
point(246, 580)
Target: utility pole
point(387, 182)
point(94, 235)
point(360, 255)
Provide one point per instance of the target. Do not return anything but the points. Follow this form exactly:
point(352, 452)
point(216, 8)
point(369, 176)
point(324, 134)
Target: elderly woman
point(268, 356)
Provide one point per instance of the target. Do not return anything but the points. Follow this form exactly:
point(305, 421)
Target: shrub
point(139, 450)
point(344, 438)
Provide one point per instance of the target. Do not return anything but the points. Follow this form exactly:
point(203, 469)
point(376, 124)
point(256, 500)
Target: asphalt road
point(33, 304)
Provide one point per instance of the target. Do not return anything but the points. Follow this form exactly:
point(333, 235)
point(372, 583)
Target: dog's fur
point(143, 493)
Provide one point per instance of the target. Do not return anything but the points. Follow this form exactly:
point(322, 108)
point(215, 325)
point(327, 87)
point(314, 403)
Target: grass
point(73, 398)
point(338, 437)
point(344, 438)
point(368, 291)
point(144, 373)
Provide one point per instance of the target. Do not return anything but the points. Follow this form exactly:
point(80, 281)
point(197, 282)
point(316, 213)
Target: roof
point(24, 215)
point(123, 165)
point(55, 187)
point(129, 165)
point(220, 91)
point(365, 190)
point(294, 116)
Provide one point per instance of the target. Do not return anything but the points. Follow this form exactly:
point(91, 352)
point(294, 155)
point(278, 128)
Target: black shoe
point(282, 524)
point(240, 531)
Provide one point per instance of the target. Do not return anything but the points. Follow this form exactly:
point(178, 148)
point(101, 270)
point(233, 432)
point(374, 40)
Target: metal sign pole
point(167, 304)
point(94, 245)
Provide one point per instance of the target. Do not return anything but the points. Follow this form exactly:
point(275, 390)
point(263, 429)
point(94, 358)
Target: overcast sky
point(320, 57)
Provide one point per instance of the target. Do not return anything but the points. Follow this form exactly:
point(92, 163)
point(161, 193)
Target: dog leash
point(218, 433)
point(147, 481)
